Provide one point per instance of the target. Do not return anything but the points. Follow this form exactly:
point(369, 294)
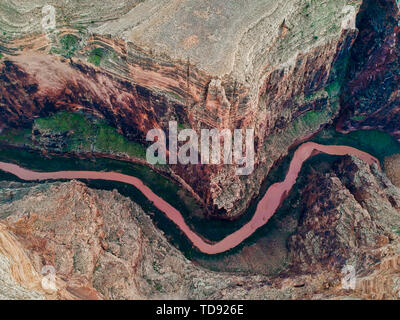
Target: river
point(266, 208)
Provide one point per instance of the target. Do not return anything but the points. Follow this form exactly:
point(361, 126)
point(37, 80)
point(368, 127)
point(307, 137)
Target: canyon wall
point(371, 98)
point(277, 67)
point(102, 245)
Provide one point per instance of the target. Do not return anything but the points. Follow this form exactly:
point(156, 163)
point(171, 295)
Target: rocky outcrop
point(18, 278)
point(350, 217)
point(392, 169)
point(350, 209)
point(272, 66)
point(103, 246)
point(371, 98)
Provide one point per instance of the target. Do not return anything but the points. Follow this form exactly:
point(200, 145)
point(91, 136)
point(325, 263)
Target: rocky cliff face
point(350, 217)
point(371, 98)
point(103, 246)
point(273, 66)
point(392, 168)
point(352, 208)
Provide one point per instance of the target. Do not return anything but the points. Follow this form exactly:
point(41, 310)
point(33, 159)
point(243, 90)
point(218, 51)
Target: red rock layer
point(372, 98)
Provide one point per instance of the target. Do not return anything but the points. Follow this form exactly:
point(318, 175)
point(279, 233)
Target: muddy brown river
point(266, 208)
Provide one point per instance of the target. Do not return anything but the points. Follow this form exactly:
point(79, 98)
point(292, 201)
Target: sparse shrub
point(95, 56)
point(69, 44)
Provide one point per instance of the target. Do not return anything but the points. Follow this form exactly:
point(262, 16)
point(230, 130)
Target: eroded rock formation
point(103, 246)
point(351, 217)
point(392, 168)
point(275, 66)
point(371, 98)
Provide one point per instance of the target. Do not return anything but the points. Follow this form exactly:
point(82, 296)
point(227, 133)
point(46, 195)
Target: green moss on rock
point(96, 55)
point(84, 135)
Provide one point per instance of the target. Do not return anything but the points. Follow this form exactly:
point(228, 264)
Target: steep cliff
point(275, 66)
point(371, 98)
point(350, 219)
point(103, 246)
point(392, 169)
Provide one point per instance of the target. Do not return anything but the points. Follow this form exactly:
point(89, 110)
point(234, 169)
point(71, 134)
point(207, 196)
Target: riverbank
point(265, 208)
point(267, 244)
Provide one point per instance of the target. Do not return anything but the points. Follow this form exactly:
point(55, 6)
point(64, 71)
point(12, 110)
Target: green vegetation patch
point(108, 139)
point(309, 122)
point(312, 118)
point(334, 88)
point(358, 118)
point(96, 55)
point(17, 137)
point(181, 126)
point(377, 143)
point(69, 44)
point(84, 135)
point(65, 121)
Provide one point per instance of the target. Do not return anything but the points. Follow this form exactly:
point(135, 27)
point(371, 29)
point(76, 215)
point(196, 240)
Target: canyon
point(112, 250)
point(266, 208)
point(312, 78)
point(277, 70)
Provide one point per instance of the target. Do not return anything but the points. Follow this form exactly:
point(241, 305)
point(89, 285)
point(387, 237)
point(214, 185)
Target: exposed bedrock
point(104, 246)
point(350, 220)
point(101, 244)
point(350, 216)
point(275, 66)
point(392, 169)
point(372, 98)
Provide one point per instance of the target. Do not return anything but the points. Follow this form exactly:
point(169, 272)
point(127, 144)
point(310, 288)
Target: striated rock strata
point(372, 98)
point(275, 66)
point(351, 217)
point(103, 246)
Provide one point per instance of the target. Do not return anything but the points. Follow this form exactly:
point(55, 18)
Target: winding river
point(266, 208)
